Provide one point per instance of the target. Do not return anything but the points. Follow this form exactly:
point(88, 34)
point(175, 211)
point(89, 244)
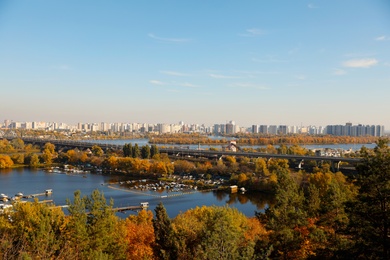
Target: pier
point(143, 205)
point(46, 193)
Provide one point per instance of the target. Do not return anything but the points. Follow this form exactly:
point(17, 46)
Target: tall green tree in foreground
point(285, 217)
point(93, 228)
point(165, 246)
point(370, 214)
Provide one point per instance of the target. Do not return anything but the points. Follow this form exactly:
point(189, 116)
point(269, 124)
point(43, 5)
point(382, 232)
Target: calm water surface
point(30, 181)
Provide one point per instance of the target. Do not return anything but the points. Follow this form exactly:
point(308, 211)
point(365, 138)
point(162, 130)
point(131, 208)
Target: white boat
point(49, 191)
point(3, 197)
point(19, 194)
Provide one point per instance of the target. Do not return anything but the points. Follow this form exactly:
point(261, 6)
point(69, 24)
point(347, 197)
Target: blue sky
point(254, 62)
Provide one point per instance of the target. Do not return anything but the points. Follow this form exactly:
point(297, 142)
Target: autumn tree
point(17, 143)
point(261, 168)
point(183, 166)
point(32, 160)
point(18, 158)
point(5, 146)
point(5, 162)
point(140, 235)
point(35, 232)
point(97, 150)
point(216, 233)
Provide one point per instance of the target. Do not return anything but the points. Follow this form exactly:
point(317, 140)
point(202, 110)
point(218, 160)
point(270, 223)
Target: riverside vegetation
point(317, 215)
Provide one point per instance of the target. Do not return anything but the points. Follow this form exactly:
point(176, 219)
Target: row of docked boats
point(20, 195)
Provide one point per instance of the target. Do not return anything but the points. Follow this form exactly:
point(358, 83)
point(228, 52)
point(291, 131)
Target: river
point(33, 181)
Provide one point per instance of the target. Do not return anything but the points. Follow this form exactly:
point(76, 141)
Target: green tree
point(285, 218)
point(370, 214)
point(136, 152)
point(94, 223)
point(154, 150)
point(164, 236)
point(145, 152)
point(128, 150)
point(77, 233)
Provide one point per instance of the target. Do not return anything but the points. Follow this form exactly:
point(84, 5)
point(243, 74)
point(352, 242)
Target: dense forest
point(318, 215)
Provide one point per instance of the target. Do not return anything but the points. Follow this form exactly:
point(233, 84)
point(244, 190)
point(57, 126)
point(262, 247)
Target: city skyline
point(280, 62)
point(230, 127)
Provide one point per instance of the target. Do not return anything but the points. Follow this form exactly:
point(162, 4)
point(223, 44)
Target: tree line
point(261, 139)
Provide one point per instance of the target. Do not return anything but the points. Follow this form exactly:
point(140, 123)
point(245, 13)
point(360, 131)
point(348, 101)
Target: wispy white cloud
point(339, 72)
point(360, 63)
point(157, 82)
point(253, 32)
point(382, 38)
point(173, 84)
point(189, 85)
point(174, 73)
point(176, 40)
point(220, 76)
point(312, 6)
point(249, 85)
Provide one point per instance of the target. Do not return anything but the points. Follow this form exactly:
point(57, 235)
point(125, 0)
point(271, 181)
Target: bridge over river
point(196, 153)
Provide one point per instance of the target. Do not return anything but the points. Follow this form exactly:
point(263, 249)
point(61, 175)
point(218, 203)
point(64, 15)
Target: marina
point(37, 181)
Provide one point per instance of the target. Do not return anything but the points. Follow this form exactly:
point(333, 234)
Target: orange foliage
point(140, 236)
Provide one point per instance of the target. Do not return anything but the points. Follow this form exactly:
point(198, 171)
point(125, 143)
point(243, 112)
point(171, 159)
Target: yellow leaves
point(113, 162)
point(182, 166)
point(5, 162)
point(261, 167)
point(97, 150)
point(273, 178)
point(242, 178)
point(255, 231)
point(321, 181)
